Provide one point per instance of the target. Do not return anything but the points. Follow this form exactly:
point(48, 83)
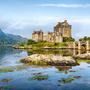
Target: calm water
point(18, 76)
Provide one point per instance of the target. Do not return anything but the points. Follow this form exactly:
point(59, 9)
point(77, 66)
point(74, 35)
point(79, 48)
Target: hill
point(6, 38)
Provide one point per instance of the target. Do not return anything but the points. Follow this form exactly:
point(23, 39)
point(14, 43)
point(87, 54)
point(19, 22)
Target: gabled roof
point(58, 25)
point(36, 32)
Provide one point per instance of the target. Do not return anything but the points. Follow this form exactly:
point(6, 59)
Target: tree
point(85, 38)
point(81, 39)
point(68, 39)
point(89, 38)
point(30, 41)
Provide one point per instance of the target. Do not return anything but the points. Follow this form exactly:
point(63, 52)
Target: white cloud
point(65, 5)
point(5, 15)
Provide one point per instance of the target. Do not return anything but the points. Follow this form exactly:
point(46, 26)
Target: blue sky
point(22, 17)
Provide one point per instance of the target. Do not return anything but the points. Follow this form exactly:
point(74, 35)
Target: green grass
point(45, 44)
point(79, 61)
point(38, 63)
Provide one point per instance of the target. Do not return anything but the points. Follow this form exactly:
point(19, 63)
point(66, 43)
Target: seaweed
point(35, 73)
point(11, 69)
point(66, 80)
point(77, 77)
point(3, 88)
point(38, 78)
point(7, 80)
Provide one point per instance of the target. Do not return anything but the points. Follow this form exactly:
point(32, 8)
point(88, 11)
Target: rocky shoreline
point(50, 60)
point(82, 56)
point(17, 47)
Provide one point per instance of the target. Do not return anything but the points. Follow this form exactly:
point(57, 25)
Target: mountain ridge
point(6, 38)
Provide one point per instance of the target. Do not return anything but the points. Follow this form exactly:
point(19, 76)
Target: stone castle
point(61, 30)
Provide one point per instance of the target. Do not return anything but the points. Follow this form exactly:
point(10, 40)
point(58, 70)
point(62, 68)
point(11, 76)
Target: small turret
point(40, 30)
point(58, 23)
point(65, 21)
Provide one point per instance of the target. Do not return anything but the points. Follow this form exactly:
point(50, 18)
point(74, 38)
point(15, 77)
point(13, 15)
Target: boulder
point(50, 59)
point(82, 56)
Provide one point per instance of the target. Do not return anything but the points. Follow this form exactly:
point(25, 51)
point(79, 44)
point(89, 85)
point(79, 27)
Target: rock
point(50, 59)
point(82, 56)
point(46, 47)
point(72, 71)
point(77, 77)
point(7, 80)
point(17, 47)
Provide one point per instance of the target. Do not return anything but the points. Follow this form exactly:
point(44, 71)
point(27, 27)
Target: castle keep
point(61, 30)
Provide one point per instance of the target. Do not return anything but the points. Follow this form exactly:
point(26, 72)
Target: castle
point(61, 30)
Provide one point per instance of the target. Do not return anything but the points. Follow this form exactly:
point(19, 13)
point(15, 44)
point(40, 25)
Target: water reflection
point(40, 77)
point(7, 50)
point(66, 52)
point(63, 68)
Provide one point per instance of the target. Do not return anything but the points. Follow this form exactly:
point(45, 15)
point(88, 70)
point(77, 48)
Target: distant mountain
point(2, 34)
point(10, 38)
point(17, 38)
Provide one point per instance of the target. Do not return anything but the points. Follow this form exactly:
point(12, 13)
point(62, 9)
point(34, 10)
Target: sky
point(22, 17)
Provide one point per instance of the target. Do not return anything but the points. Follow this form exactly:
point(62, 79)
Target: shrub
point(21, 45)
point(30, 41)
point(84, 39)
point(56, 44)
point(68, 39)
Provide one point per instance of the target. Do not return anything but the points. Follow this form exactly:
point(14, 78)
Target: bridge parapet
point(79, 44)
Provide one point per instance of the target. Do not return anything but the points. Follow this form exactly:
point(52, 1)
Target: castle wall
point(45, 36)
point(35, 37)
point(66, 32)
point(55, 37)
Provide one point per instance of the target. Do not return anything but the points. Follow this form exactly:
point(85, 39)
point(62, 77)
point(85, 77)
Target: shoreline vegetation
point(32, 44)
point(40, 45)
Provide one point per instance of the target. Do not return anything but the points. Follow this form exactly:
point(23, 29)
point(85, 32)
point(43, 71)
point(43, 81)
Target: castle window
point(61, 34)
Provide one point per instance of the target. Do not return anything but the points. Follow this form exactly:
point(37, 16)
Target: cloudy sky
point(22, 17)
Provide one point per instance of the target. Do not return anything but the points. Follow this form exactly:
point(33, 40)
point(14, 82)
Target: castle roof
point(58, 25)
point(36, 32)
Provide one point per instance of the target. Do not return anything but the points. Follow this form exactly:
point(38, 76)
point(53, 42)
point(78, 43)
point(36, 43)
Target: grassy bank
point(44, 44)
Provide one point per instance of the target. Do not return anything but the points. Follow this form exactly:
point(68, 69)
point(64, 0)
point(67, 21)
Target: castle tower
point(64, 28)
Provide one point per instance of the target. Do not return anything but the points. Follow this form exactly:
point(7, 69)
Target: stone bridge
point(79, 45)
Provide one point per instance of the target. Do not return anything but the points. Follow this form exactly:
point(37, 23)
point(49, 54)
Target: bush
point(84, 39)
point(30, 41)
point(42, 42)
point(21, 45)
point(81, 39)
point(68, 39)
point(56, 44)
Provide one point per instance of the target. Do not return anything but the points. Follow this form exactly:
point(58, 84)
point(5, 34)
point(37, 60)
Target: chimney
point(65, 21)
point(40, 30)
point(58, 23)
